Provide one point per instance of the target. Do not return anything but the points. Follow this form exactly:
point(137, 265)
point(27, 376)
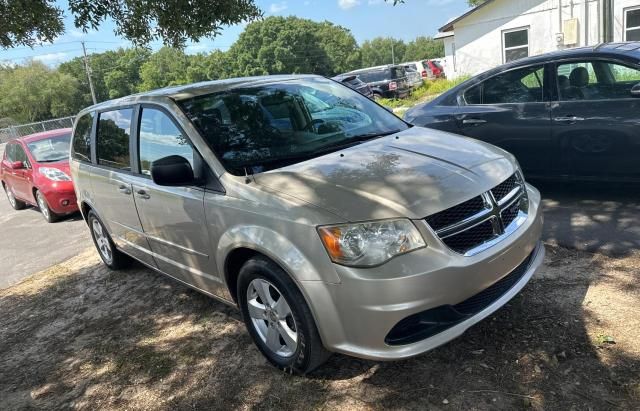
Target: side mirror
point(16, 165)
point(172, 171)
point(635, 90)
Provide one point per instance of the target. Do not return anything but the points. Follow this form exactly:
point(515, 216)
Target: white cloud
point(196, 48)
point(348, 4)
point(276, 8)
point(52, 58)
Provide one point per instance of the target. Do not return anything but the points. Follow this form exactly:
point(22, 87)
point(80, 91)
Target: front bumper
point(356, 316)
point(61, 197)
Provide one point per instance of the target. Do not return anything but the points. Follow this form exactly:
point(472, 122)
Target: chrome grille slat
point(477, 224)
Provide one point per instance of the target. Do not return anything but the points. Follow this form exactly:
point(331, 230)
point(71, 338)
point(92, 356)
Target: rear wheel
point(110, 255)
point(377, 97)
point(278, 318)
point(15, 203)
point(48, 215)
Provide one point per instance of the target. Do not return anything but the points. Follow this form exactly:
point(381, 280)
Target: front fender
point(277, 247)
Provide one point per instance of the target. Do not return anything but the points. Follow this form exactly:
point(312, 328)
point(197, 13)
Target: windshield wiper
point(371, 136)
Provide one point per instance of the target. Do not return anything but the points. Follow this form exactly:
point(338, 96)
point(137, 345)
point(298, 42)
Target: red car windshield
point(50, 149)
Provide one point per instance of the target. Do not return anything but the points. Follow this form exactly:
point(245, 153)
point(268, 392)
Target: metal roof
point(449, 25)
point(198, 89)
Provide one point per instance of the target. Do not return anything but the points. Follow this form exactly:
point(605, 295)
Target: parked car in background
point(353, 82)
point(385, 81)
point(568, 114)
point(35, 171)
point(335, 227)
point(413, 77)
point(429, 70)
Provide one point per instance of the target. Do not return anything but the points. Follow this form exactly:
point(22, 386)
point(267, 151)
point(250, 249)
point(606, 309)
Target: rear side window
point(10, 152)
point(112, 139)
point(81, 150)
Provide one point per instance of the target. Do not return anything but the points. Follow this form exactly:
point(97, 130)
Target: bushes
point(428, 90)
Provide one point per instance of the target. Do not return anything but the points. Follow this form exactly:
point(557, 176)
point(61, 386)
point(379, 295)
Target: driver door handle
point(572, 119)
point(143, 194)
point(473, 121)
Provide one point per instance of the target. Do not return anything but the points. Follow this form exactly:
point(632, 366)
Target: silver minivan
point(334, 225)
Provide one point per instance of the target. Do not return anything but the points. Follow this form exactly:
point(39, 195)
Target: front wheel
point(48, 215)
point(109, 254)
point(278, 318)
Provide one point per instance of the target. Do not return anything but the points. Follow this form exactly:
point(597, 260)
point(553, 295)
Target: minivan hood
point(413, 174)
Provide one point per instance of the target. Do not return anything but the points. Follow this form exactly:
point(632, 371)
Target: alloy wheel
point(272, 318)
point(42, 205)
point(12, 199)
point(102, 241)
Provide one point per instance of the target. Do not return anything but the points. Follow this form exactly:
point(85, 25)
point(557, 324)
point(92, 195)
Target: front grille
point(470, 238)
point(457, 213)
point(501, 190)
point(465, 228)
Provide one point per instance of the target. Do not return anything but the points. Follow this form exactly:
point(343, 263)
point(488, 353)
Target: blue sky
point(365, 18)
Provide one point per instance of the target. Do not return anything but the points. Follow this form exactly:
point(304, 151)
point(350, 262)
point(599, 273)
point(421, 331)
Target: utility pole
point(393, 55)
point(88, 70)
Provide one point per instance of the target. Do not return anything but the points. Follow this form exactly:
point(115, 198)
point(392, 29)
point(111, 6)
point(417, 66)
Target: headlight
point(54, 174)
point(371, 243)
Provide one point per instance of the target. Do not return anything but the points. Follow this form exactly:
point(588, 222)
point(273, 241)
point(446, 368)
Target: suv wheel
point(109, 254)
point(278, 318)
point(15, 203)
point(48, 215)
point(377, 97)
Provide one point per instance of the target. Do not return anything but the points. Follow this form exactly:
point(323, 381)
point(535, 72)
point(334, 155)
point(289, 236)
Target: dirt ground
point(80, 336)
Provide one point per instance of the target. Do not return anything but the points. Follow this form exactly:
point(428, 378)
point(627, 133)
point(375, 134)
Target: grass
point(428, 90)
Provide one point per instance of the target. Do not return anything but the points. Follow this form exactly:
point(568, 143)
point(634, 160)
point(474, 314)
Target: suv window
point(81, 149)
point(112, 138)
point(160, 137)
point(596, 80)
point(516, 86)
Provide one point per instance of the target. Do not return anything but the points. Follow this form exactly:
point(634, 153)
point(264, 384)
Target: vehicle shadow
point(593, 217)
point(82, 336)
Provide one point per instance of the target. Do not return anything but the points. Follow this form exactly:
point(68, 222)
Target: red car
point(35, 170)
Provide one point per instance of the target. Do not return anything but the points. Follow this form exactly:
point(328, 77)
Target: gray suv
point(331, 223)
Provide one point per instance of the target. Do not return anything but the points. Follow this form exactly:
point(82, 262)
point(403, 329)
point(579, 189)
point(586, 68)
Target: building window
point(632, 24)
point(515, 44)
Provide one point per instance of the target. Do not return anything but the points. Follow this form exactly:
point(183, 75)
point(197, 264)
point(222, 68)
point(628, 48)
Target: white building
point(499, 31)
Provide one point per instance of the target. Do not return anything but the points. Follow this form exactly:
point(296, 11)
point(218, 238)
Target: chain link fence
point(12, 132)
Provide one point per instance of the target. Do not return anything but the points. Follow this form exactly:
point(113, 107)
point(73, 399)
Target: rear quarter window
point(81, 146)
point(112, 139)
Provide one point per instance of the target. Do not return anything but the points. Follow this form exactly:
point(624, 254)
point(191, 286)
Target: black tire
point(377, 97)
point(13, 201)
point(118, 260)
point(309, 353)
point(45, 210)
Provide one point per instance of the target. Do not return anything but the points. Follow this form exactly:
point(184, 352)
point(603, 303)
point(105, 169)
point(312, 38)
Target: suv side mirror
point(635, 90)
point(172, 171)
point(16, 165)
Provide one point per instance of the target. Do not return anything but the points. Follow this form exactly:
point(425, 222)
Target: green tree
point(174, 22)
point(340, 46)
point(423, 48)
point(166, 67)
point(34, 92)
point(378, 51)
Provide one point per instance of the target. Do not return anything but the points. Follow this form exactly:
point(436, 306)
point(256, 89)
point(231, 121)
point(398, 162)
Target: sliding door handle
point(124, 189)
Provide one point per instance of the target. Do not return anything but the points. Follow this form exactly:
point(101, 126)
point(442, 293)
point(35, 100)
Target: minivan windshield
point(268, 126)
point(49, 150)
